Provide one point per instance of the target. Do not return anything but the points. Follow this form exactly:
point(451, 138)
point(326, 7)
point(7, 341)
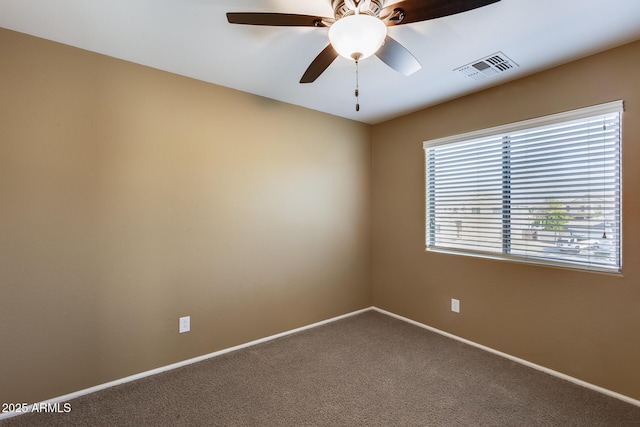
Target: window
point(544, 191)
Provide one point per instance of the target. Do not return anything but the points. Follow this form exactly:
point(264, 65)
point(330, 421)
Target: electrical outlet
point(185, 324)
point(455, 305)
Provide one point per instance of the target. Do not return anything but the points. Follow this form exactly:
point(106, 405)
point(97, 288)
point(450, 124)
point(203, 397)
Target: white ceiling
point(193, 38)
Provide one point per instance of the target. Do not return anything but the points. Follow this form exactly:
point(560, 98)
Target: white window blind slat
point(544, 191)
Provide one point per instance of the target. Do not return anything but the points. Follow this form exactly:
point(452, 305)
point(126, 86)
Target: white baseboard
point(517, 359)
point(67, 397)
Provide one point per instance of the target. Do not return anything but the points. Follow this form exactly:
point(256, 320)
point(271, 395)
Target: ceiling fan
point(359, 29)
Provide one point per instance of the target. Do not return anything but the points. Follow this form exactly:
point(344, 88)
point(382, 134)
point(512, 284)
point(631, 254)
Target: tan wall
point(130, 197)
point(586, 325)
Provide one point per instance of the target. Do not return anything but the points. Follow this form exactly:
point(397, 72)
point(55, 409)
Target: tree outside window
point(552, 218)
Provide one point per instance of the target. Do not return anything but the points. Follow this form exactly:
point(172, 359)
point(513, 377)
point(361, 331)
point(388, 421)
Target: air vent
point(487, 67)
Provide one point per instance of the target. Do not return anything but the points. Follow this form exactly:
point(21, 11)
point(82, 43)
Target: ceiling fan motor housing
point(342, 8)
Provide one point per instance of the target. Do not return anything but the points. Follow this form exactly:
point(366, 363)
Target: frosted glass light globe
point(357, 36)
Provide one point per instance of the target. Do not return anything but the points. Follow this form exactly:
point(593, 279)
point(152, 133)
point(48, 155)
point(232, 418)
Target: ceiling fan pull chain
point(357, 91)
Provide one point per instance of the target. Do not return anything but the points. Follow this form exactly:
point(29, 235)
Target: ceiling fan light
point(357, 36)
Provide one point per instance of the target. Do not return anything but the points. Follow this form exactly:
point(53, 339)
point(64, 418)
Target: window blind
point(546, 190)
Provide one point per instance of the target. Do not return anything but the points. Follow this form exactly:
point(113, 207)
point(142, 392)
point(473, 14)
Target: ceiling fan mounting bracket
point(396, 17)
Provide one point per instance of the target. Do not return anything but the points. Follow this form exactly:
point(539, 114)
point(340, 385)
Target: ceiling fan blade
point(278, 19)
point(423, 10)
point(398, 57)
point(317, 67)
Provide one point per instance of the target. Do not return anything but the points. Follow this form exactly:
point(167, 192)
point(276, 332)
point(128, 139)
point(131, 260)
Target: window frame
point(497, 131)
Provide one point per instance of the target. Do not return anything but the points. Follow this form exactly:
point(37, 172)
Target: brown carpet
point(365, 370)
